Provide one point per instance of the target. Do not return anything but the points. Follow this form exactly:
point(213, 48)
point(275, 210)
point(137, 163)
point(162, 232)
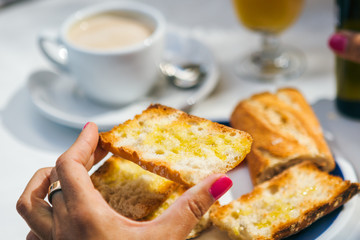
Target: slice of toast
point(176, 145)
point(203, 223)
point(129, 189)
point(285, 132)
point(137, 193)
point(284, 205)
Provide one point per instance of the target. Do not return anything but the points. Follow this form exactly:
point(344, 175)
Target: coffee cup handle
point(58, 55)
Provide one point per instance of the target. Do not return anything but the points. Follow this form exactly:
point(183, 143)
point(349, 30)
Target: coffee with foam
point(108, 31)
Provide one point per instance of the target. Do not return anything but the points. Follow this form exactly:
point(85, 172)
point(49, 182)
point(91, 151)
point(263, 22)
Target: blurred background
point(213, 22)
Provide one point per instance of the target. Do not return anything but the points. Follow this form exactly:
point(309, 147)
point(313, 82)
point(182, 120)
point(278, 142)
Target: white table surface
point(29, 141)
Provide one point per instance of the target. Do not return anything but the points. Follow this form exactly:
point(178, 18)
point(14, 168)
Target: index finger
point(72, 166)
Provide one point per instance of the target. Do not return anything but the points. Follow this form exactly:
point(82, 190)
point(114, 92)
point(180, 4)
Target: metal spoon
point(185, 76)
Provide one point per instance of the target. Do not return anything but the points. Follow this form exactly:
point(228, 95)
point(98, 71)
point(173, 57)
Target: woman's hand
point(346, 44)
point(78, 211)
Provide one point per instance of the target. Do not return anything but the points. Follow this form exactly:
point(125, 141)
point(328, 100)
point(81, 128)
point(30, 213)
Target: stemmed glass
point(270, 18)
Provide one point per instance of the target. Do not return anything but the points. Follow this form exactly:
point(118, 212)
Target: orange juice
point(270, 16)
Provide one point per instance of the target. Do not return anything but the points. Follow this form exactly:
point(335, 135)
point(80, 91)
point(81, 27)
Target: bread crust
point(317, 212)
point(163, 168)
point(285, 132)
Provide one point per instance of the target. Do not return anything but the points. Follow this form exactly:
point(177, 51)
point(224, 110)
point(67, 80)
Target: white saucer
point(59, 100)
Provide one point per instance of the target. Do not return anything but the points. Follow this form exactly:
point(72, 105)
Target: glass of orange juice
point(270, 18)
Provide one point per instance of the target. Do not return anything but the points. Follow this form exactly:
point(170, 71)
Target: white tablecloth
point(29, 141)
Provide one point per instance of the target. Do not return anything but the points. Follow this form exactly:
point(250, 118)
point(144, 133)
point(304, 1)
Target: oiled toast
point(284, 205)
point(176, 145)
point(137, 193)
point(129, 189)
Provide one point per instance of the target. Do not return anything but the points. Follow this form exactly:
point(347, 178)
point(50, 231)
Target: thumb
point(346, 44)
point(184, 214)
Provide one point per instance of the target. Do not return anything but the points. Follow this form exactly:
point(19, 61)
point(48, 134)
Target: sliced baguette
point(203, 223)
point(285, 132)
point(129, 189)
point(177, 146)
point(284, 205)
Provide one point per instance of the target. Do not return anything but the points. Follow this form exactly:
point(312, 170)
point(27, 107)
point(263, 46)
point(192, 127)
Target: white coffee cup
point(110, 74)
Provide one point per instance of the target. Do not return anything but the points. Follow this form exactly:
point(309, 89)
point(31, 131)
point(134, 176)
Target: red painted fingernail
point(220, 187)
point(338, 42)
point(85, 125)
